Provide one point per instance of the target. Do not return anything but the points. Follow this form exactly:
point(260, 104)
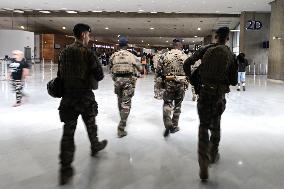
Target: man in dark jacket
point(242, 64)
point(78, 67)
point(217, 63)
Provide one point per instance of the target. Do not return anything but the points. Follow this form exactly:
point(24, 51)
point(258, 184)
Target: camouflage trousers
point(158, 90)
point(69, 110)
point(210, 108)
point(124, 88)
point(18, 86)
point(173, 97)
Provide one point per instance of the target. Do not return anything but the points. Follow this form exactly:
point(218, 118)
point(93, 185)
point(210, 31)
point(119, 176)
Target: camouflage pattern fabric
point(77, 65)
point(173, 97)
point(69, 110)
point(171, 64)
point(158, 88)
point(216, 61)
point(210, 109)
point(124, 88)
point(18, 86)
point(124, 83)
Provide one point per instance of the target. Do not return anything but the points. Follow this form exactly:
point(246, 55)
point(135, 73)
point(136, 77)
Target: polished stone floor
point(252, 147)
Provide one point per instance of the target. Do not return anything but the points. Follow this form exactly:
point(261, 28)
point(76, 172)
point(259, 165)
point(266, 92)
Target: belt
point(175, 78)
point(123, 75)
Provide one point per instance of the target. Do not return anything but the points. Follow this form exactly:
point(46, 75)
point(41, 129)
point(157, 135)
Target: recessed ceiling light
point(118, 35)
point(148, 44)
point(118, 40)
point(64, 28)
point(217, 11)
point(19, 11)
point(183, 40)
point(195, 36)
point(45, 12)
point(152, 28)
point(154, 12)
point(167, 41)
point(140, 10)
point(96, 40)
point(193, 41)
point(22, 27)
point(198, 29)
point(63, 8)
point(106, 28)
point(97, 11)
point(71, 12)
point(142, 41)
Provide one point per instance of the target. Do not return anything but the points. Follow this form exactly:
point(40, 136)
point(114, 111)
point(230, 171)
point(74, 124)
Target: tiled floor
point(252, 147)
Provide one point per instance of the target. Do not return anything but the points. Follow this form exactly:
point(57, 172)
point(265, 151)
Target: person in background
point(242, 64)
point(144, 64)
point(104, 60)
point(19, 71)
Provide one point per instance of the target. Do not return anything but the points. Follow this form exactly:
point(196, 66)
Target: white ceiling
point(165, 27)
point(182, 6)
point(206, 14)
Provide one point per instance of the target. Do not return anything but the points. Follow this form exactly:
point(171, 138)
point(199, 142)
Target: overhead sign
point(254, 25)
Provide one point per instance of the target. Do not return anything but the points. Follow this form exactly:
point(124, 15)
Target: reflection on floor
point(252, 147)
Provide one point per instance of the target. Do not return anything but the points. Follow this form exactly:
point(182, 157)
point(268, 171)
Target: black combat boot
point(214, 158)
point(174, 129)
point(98, 147)
point(203, 173)
point(66, 174)
point(244, 88)
point(166, 132)
point(121, 133)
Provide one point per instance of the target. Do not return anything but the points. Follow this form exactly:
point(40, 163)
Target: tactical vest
point(173, 63)
point(214, 65)
point(122, 62)
point(73, 62)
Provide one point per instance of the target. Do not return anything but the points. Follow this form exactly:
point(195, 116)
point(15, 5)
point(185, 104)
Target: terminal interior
point(251, 146)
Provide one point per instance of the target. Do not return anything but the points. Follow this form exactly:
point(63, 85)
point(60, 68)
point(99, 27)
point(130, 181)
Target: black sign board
point(254, 25)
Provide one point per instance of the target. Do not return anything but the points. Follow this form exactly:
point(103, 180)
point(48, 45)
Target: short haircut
point(79, 29)
point(223, 33)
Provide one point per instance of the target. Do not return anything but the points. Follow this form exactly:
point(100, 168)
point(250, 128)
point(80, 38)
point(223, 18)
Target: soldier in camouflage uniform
point(175, 83)
point(124, 65)
point(78, 67)
point(216, 64)
point(158, 91)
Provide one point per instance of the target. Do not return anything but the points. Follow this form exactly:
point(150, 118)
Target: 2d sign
point(254, 25)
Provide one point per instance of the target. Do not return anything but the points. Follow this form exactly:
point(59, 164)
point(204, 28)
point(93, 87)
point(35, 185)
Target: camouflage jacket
point(170, 64)
point(77, 67)
point(134, 61)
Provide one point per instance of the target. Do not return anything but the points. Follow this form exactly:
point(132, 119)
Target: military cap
point(123, 41)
